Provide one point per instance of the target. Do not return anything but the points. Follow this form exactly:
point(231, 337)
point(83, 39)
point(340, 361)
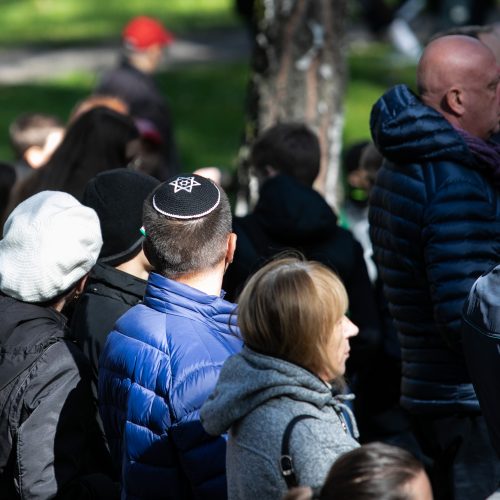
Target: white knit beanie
point(49, 242)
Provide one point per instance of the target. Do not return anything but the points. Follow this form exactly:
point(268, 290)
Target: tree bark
point(299, 74)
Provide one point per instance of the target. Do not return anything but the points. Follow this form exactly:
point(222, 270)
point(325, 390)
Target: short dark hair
point(352, 156)
point(290, 148)
point(373, 471)
point(180, 247)
point(7, 181)
point(31, 129)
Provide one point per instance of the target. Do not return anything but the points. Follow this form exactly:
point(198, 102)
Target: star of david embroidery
point(184, 184)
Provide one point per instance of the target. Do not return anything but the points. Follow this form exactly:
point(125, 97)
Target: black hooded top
point(292, 216)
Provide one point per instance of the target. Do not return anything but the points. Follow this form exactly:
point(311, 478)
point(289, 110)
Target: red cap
point(143, 32)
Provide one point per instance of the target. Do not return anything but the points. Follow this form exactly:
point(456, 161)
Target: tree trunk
point(298, 75)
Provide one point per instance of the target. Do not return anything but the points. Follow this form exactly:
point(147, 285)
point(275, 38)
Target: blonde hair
point(289, 309)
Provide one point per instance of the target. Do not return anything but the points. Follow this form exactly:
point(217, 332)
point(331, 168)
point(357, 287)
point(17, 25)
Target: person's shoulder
point(139, 320)
point(63, 365)
point(64, 354)
point(455, 176)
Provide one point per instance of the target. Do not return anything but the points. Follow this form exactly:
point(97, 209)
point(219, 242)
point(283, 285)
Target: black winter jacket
point(109, 294)
point(50, 443)
point(435, 228)
point(292, 216)
point(140, 92)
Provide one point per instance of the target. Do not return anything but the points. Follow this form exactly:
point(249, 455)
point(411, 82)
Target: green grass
point(372, 72)
point(91, 21)
point(207, 103)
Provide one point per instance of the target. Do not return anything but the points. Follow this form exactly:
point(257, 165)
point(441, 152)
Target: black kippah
point(186, 197)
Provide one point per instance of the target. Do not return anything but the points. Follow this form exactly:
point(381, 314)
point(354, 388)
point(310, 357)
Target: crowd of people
point(153, 346)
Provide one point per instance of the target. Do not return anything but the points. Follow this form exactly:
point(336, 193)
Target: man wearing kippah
point(162, 360)
point(144, 42)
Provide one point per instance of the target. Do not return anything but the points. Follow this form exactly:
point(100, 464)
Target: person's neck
point(209, 282)
point(59, 306)
point(142, 63)
point(136, 267)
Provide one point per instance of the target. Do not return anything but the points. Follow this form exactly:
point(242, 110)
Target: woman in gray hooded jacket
point(292, 319)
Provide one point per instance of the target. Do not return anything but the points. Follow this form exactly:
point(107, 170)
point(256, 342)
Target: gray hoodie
point(255, 399)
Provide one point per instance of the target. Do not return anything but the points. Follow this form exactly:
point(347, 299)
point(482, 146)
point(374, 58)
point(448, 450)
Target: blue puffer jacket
point(157, 368)
point(435, 227)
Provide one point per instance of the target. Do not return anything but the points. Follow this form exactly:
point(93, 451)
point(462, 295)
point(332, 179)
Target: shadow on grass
point(208, 105)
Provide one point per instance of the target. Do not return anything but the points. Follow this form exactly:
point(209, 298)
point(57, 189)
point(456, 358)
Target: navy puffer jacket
point(159, 365)
point(435, 227)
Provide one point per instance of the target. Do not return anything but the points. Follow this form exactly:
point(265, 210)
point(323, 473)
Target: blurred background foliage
point(207, 100)
point(94, 21)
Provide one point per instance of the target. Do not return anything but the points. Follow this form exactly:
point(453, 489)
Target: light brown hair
point(289, 309)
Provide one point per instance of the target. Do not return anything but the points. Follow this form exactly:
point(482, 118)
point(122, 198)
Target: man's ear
point(230, 249)
point(454, 100)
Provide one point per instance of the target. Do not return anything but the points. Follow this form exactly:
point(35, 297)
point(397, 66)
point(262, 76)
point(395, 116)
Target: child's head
point(295, 310)
point(287, 148)
point(362, 161)
point(34, 136)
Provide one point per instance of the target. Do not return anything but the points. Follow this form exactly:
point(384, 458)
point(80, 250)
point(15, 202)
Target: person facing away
point(50, 442)
point(34, 137)
point(374, 471)
point(291, 215)
point(144, 41)
point(435, 227)
point(118, 280)
point(163, 357)
point(7, 182)
point(296, 337)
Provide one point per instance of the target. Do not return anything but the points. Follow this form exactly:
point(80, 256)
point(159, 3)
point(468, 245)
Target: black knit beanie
point(117, 196)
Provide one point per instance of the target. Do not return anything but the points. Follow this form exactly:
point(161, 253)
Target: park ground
point(52, 51)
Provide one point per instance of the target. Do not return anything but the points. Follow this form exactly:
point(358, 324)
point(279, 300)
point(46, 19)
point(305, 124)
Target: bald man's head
point(458, 76)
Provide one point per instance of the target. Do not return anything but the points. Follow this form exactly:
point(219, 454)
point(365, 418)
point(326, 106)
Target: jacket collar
point(167, 295)
point(119, 280)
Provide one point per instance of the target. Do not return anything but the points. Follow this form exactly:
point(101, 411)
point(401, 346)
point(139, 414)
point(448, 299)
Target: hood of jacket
point(176, 298)
point(249, 379)
point(292, 213)
point(25, 332)
point(405, 130)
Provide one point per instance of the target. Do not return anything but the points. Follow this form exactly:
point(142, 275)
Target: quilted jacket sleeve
point(58, 444)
